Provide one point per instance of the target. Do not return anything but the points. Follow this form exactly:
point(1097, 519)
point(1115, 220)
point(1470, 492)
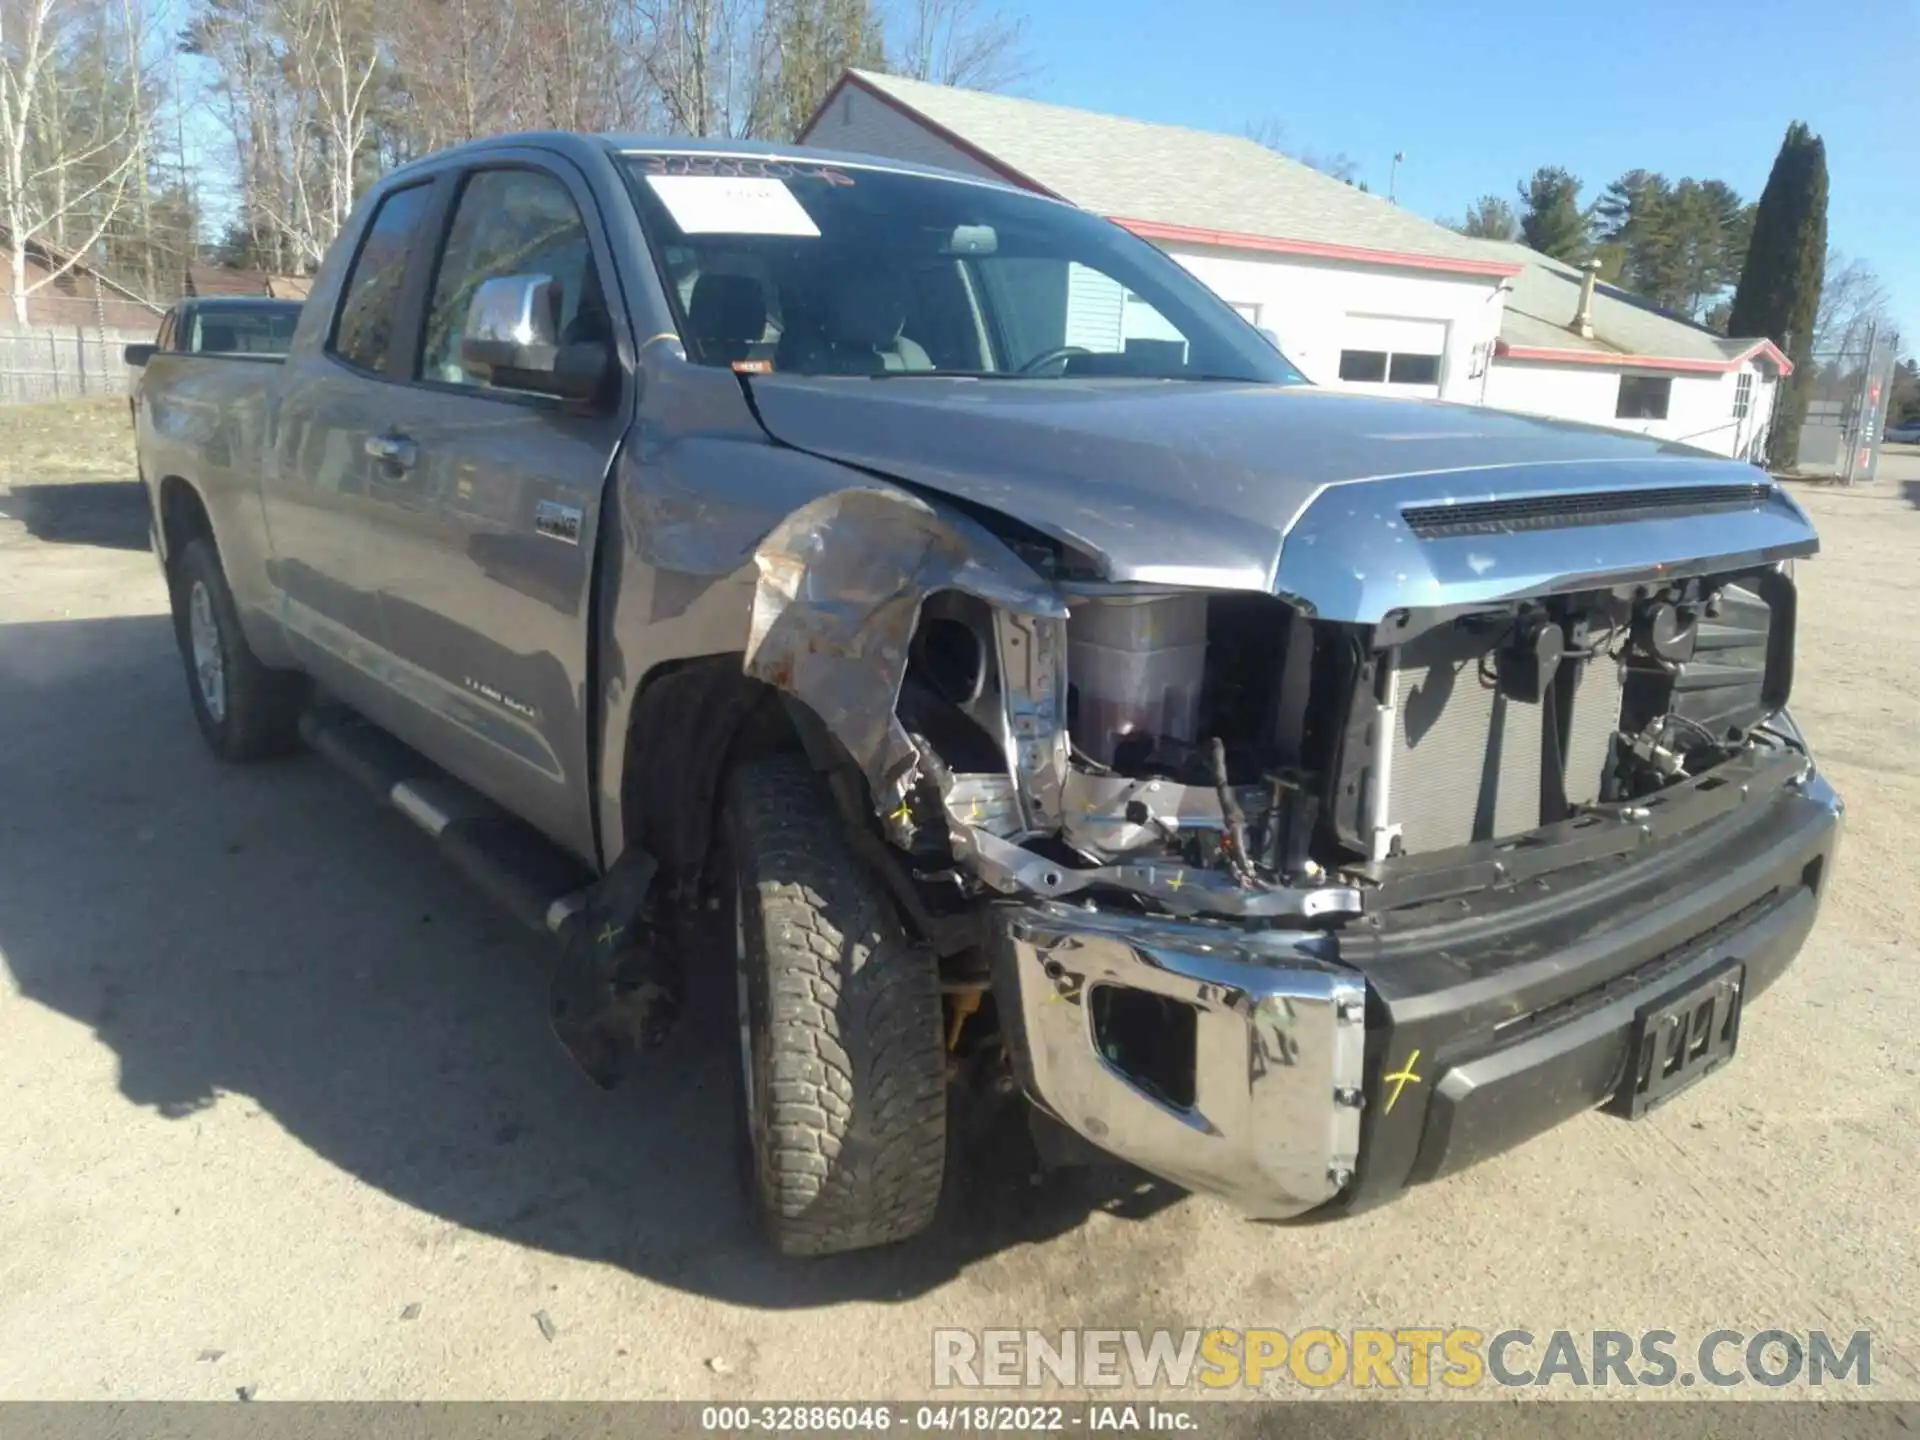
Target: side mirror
point(137, 355)
point(512, 341)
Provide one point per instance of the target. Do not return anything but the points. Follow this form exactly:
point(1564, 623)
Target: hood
point(1201, 483)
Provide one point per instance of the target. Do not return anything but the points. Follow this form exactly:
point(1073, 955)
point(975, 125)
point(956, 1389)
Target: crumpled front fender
point(841, 584)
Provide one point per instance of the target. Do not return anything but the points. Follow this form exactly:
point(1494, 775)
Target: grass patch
point(65, 440)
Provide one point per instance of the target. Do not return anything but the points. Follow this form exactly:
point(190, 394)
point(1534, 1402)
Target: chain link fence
point(1847, 406)
point(61, 362)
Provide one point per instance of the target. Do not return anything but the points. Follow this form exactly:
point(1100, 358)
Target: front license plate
point(1682, 1037)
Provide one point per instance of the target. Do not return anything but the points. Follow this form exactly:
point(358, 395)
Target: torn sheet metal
point(984, 802)
point(1181, 889)
point(1032, 653)
point(841, 584)
point(1096, 810)
point(616, 988)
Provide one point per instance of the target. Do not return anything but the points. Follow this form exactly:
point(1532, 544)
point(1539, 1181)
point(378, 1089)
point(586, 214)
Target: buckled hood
point(1210, 483)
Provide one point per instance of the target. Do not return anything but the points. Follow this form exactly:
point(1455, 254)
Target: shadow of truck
point(265, 932)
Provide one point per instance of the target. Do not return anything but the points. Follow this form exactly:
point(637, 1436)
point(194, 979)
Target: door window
point(363, 330)
point(511, 222)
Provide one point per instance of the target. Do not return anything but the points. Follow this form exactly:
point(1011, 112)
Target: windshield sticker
point(726, 205)
point(739, 166)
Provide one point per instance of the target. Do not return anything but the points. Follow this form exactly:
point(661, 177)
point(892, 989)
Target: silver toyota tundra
point(1298, 795)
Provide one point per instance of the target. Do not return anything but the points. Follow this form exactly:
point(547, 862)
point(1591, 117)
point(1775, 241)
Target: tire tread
point(857, 1083)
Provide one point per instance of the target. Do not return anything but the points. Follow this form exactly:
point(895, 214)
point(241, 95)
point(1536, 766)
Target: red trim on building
point(1353, 254)
point(1765, 349)
point(934, 127)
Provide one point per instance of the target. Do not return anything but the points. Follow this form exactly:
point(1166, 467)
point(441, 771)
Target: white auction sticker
point(731, 205)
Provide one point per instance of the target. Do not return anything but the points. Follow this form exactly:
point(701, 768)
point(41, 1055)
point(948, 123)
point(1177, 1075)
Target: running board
point(614, 990)
point(537, 883)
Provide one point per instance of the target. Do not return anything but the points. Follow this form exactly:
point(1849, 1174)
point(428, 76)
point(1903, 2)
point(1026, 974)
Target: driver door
point(504, 487)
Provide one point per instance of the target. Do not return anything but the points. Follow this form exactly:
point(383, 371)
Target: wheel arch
point(692, 724)
point(184, 516)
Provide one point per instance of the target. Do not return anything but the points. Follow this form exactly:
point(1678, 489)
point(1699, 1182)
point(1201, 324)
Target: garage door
point(1392, 355)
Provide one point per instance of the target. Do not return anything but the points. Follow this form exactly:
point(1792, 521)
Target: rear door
point(488, 616)
point(338, 517)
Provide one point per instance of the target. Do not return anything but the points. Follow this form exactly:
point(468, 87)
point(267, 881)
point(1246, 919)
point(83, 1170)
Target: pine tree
point(1489, 218)
point(1553, 222)
point(1779, 292)
point(1679, 244)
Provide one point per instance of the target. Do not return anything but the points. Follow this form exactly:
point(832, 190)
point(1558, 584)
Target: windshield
point(796, 268)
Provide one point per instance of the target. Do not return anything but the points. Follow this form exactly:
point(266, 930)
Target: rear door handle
point(396, 451)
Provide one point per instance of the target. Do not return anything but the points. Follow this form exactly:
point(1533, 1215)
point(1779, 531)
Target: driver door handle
point(394, 451)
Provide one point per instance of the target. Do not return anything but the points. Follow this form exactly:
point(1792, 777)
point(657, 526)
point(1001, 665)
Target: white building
point(1360, 294)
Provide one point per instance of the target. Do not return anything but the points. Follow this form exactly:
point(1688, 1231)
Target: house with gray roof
point(1359, 293)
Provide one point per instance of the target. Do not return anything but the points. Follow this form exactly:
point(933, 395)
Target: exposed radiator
point(1467, 760)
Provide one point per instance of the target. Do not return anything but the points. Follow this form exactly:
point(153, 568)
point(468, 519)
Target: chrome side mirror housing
point(512, 341)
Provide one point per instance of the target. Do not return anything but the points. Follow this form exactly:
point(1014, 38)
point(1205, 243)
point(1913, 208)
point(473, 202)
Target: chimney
point(1583, 317)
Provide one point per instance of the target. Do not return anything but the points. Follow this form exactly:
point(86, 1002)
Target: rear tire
point(841, 1068)
point(245, 710)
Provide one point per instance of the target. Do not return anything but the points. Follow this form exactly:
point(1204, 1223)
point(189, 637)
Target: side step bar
point(614, 989)
point(539, 884)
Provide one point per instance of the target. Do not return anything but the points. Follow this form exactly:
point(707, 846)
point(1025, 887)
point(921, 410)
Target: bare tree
point(1852, 300)
point(69, 131)
point(957, 42)
point(299, 82)
point(457, 77)
point(711, 64)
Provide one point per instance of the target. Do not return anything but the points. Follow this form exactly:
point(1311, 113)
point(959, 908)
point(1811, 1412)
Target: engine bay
point(1228, 754)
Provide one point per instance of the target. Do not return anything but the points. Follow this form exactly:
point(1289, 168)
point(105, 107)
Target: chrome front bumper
point(1279, 1055)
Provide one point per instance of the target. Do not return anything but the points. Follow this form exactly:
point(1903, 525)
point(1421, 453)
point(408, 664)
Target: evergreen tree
point(1489, 218)
point(1552, 221)
point(1680, 245)
point(1779, 291)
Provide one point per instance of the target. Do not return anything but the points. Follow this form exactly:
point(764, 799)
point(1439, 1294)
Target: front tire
point(842, 1068)
point(245, 710)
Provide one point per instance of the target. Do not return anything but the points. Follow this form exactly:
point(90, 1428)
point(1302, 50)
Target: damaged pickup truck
point(1299, 795)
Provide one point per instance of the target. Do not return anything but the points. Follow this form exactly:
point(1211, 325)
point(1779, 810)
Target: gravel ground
point(282, 1113)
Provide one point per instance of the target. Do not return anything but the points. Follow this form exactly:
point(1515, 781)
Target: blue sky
point(1480, 95)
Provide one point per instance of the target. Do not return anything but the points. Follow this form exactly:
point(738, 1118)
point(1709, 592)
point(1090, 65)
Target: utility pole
point(1393, 175)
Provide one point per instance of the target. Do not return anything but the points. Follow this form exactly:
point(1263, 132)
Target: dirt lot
point(282, 1112)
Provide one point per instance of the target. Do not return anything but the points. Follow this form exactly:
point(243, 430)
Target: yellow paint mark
point(1400, 1079)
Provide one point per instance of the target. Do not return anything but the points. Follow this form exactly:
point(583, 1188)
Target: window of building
point(363, 330)
point(1363, 367)
point(1644, 397)
point(1743, 395)
point(511, 222)
point(1389, 367)
point(1413, 370)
